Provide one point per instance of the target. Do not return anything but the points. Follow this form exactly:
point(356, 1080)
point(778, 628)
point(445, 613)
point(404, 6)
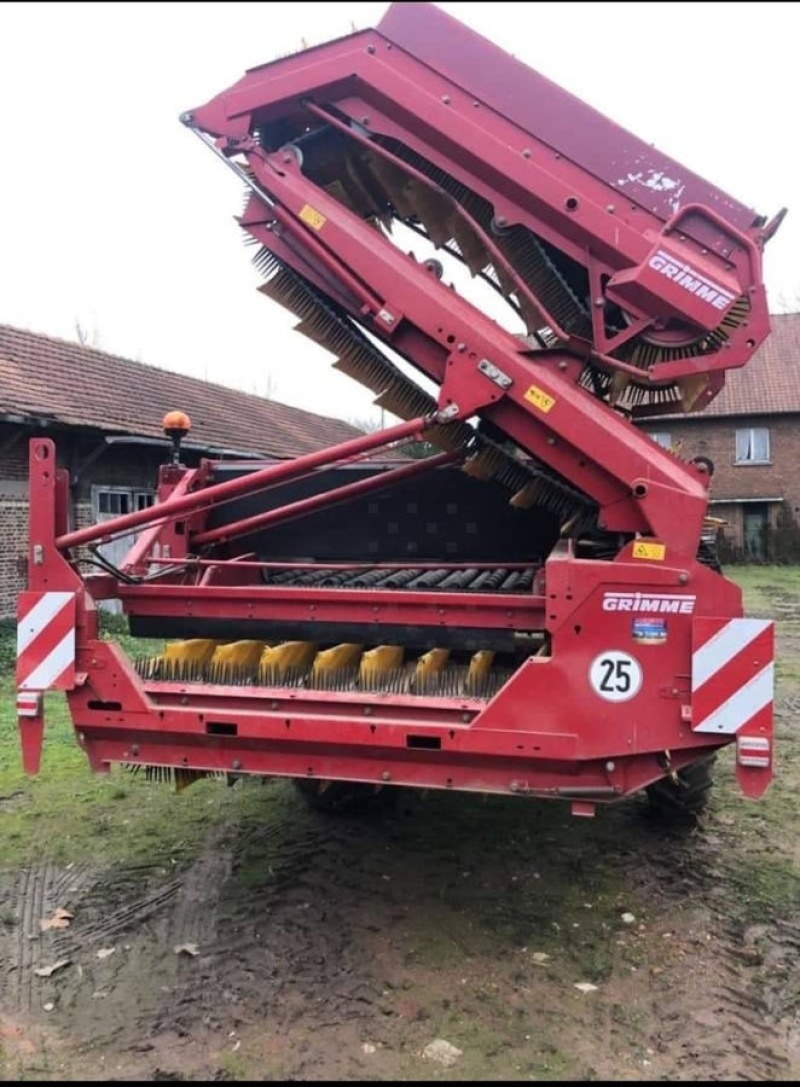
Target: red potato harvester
point(535, 607)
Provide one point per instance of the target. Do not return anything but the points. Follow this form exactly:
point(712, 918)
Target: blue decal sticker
point(649, 631)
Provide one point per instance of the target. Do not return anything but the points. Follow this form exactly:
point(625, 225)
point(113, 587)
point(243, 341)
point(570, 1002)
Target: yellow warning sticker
point(656, 552)
point(313, 218)
point(540, 399)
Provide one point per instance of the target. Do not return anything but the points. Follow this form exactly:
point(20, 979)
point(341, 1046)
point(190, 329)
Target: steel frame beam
point(187, 504)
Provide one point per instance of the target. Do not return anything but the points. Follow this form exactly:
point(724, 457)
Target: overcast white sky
point(113, 215)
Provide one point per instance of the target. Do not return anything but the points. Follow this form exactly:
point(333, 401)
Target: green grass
point(8, 652)
point(774, 592)
point(764, 585)
point(114, 628)
point(74, 815)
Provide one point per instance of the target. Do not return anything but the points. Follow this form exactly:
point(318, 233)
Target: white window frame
point(138, 498)
point(748, 442)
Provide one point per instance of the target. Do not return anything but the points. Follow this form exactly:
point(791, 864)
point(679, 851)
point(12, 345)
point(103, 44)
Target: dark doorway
point(756, 520)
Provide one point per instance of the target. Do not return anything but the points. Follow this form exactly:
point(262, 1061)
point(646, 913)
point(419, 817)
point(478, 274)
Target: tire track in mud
point(285, 916)
point(194, 916)
point(750, 1028)
point(25, 952)
point(737, 1027)
point(108, 925)
point(272, 937)
point(37, 892)
point(741, 1007)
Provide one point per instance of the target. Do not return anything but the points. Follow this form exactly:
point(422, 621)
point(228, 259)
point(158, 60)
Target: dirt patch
point(333, 948)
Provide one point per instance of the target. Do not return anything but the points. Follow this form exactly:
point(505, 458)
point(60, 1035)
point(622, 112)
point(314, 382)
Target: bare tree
point(368, 426)
point(84, 337)
point(417, 450)
point(266, 387)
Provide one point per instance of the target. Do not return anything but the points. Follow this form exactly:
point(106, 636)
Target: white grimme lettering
point(691, 280)
point(653, 603)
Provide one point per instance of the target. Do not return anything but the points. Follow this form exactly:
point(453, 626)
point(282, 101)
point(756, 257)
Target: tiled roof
point(770, 382)
point(60, 382)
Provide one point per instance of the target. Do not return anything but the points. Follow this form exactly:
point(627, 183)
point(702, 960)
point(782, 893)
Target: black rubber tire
point(687, 797)
point(345, 797)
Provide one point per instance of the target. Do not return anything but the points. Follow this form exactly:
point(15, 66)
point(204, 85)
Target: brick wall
point(716, 438)
point(13, 516)
point(122, 466)
point(13, 546)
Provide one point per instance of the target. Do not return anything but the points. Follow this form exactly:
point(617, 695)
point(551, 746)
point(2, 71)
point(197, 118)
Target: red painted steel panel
point(553, 115)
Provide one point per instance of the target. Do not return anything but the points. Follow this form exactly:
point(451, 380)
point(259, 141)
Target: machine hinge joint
point(495, 374)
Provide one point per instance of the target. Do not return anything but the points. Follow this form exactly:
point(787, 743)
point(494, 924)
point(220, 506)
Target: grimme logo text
point(654, 603)
point(691, 280)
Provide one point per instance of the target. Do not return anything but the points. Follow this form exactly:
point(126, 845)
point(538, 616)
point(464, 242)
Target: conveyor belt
point(446, 579)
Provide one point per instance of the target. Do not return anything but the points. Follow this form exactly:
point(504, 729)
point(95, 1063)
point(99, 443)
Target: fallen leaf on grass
point(60, 919)
point(48, 971)
point(186, 949)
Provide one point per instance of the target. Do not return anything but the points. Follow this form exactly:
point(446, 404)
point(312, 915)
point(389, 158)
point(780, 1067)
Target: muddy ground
point(320, 947)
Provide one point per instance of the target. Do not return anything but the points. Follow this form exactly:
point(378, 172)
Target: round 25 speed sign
point(615, 676)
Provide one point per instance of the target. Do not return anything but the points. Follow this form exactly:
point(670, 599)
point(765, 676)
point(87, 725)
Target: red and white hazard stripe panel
point(733, 675)
point(46, 641)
